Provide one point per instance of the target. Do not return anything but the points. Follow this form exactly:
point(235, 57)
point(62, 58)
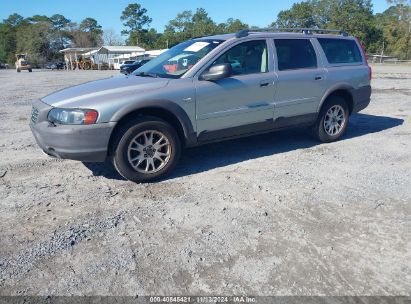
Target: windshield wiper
point(145, 74)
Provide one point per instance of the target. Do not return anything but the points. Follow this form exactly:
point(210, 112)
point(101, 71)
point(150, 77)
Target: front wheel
point(146, 149)
point(332, 121)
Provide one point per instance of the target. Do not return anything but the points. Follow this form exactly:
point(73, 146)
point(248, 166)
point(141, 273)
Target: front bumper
point(87, 143)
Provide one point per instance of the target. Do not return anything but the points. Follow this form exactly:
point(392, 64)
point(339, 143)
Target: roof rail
point(306, 31)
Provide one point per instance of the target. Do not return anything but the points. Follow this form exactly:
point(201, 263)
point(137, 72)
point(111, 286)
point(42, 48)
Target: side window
point(340, 50)
point(293, 54)
point(246, 58)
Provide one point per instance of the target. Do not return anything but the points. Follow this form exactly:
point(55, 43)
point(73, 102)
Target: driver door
point(246, 99)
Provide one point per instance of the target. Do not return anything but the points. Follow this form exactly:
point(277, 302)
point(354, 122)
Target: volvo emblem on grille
point(34, 114)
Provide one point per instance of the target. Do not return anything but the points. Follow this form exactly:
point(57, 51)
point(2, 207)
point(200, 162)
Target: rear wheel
point(332, 121)
point(146, 149)
point(18, 70)
point(30, 70)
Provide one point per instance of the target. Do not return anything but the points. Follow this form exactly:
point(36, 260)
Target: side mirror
point(217, 72)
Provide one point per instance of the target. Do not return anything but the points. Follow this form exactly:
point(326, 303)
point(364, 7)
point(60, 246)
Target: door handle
point(319, 77)
point(264, 83)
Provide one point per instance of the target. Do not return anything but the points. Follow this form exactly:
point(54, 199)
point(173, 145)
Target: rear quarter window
point(294, 54)
point(340, 50)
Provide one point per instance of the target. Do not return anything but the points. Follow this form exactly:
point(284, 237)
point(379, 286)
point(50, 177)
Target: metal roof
point(120, 49)
point(77, 50)
point(105, 49)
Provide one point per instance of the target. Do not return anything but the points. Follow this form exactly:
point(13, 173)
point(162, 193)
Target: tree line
point(42, 36)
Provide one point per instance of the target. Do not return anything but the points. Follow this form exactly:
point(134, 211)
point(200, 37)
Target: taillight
point(364, 53)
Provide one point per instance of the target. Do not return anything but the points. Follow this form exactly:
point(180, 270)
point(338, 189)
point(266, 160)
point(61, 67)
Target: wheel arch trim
point(163, 105)
point(339, 87)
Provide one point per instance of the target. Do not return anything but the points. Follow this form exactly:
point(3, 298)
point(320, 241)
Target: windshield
point(175, 62)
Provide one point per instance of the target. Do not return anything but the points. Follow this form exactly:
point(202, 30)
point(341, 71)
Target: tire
point(18, 70)
point(30, 70)
point(125, 149)
point(332, 121)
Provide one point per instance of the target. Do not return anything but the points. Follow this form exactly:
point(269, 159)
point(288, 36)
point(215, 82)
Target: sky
point(107, 12)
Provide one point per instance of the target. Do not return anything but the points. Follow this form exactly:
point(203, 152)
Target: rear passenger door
point(301, 81)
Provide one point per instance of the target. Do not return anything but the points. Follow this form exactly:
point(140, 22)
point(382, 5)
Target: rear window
point(340, 50)
point(293, 54)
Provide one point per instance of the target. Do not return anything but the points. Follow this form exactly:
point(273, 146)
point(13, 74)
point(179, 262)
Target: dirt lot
point(276, 214)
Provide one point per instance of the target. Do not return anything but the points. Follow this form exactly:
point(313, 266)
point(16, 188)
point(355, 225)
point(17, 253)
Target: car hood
point(91, 92)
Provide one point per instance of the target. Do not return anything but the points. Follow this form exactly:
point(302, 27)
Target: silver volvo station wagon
point(208, 89)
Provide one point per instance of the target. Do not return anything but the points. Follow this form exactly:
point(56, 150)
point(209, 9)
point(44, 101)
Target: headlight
point(73, 116)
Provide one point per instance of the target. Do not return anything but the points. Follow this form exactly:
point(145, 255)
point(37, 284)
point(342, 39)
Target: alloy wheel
point(149, 151)
point(335, 120)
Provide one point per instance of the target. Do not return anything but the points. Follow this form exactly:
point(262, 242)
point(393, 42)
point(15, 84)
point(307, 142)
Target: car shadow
point(211, 156)
point(105, 169)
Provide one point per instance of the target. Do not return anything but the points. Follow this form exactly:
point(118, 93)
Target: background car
point(126, 62)
point(56, 66)
point(130, 68)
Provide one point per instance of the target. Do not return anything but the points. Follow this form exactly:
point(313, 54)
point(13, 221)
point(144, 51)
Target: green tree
point(61, 36)
point(90, 25)
point(93, 31)
point(42, 37)
point(354, 16)
point(403, 24)
point(396, 38)
point(147, 39)
point(14, 20)
point(187, 25)
point(34, 39)
point(7, 43)
point(135, 20)
point(232, 26)
point(203, 25)
point(182, 22)
point(179, 29)
point(38, 18)
point(300, 15)
point(59, 22)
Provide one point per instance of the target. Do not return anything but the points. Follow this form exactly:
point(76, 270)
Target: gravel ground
point(276, 214)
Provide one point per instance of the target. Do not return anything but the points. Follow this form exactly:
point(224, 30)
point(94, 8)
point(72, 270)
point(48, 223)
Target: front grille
point(34, 114)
